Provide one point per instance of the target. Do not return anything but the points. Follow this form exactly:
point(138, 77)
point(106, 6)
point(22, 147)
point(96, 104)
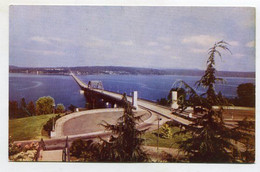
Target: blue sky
point(157, 37)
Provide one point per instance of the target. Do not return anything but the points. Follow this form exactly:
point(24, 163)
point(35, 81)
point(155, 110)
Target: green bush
point(44, 105)
point(48, 126)
point(60, 108)
point(84, 149)
point(166, 131)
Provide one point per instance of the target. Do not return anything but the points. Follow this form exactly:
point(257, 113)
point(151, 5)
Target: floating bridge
point(96, 88)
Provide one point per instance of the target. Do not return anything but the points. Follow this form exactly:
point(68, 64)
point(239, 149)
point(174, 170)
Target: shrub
point(44, 105)
point(166, 131)
point(48, 126)
point(87, 150)
point(60, 108)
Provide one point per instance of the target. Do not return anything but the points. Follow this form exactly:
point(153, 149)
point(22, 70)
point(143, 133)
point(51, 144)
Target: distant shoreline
point(118, 70)
point(48, 74)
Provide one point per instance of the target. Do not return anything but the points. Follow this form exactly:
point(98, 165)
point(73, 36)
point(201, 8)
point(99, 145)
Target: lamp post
point(158, 118)
point(53, 105)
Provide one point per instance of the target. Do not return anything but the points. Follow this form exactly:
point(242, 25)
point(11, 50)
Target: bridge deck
point(164, 111)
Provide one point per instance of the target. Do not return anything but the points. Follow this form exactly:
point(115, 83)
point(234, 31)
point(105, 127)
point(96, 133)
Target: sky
point(151, 37)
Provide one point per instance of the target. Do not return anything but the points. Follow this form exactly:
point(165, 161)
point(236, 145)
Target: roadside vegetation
point(29, 128)
point(33, 121)
point(207, 140)
point(124, 144)
point(18, 153)
point(245, 96)
point(47, 127)
point(171, 141)
point(212, 140)
point(43, 106)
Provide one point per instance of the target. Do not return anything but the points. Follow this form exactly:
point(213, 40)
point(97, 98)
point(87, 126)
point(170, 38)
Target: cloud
point(198, 50)
point(40, 39)
point(49, 40)
point(238, 55)
point(148, 52)
point(233, 43)
point(46, 52)
point(96, 42)
point(174, 57)
point(166, 47)
point(127, 43)
point(202, 40)
point(250, 44)
point(151, 44)
point(164, 39)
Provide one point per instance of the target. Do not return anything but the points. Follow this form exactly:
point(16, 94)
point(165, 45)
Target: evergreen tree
point(31, 108)
point(13, 109)
point(125, 143)
point(212, 140)
point(23, 110)
point(246, 94)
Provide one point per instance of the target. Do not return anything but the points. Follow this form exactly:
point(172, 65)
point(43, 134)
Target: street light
point(159, 119)
point(53, 105)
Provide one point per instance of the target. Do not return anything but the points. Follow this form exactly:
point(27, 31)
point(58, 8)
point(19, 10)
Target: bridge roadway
point(143, 104)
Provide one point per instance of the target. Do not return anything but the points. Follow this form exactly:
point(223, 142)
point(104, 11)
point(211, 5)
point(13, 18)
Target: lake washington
point(66, 91)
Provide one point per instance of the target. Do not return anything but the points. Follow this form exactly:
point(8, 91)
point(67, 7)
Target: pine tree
point(23, 110)
point(13, 109)
point(212, 140)
point(125, 142)
point(31, 108)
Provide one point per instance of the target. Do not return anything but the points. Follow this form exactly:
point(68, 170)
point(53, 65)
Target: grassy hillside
point(28, 128)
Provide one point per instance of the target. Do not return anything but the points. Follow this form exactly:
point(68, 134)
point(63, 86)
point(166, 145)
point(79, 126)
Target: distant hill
point(120, 70)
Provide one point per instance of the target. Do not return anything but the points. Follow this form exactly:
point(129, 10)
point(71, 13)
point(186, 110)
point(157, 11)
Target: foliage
point(48, 125)
point(248, 140)
point(18, 110)
point(211, 140)
point(44, 105)
point(84, 149)
point(166, 131)
point(163, 101)
point(23, 111)
point(28, 128)
point(13, 109)
point(181, 94)
point(25, 153)
point(150, 138)
point(246, 94)
point(13, 148)
point(125, 143)
point(72, 108)
point(60, 108)
point(31, 108)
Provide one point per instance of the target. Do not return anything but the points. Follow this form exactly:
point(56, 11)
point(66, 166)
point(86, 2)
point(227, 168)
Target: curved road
point(163, 111)
point(86, 123)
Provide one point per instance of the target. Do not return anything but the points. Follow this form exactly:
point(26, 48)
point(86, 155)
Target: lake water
point(66, 91)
